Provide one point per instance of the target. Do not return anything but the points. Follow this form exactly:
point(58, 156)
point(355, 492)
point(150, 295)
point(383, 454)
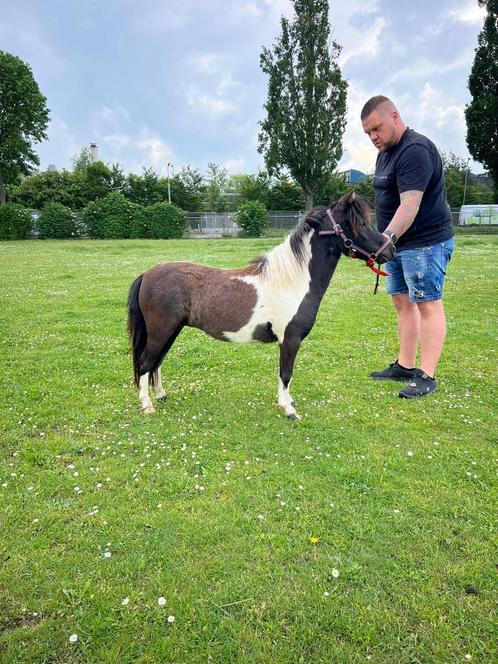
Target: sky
point(158, 82)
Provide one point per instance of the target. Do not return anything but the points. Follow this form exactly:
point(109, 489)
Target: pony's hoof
point(163, 398)
point(149, 410)
point(293, 416)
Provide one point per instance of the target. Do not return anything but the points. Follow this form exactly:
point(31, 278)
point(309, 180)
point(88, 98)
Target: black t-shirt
point(413, 164)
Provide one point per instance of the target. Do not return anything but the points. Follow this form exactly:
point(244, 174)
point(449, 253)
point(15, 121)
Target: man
point(411, 208)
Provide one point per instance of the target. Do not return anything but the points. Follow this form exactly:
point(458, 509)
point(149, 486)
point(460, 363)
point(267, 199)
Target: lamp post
point(465, 183)
point(169, 187)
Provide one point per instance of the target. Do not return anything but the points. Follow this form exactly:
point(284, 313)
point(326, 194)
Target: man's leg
point(432, 334)
point(409, 328)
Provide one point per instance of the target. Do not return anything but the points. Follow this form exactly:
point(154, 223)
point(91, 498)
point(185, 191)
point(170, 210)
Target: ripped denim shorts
point(420, 272)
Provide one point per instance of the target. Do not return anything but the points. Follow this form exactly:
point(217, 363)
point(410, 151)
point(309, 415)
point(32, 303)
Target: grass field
point(364, 532)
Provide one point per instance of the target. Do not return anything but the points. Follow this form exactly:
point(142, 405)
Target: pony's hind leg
point(158, 386)
point(152, 358)
point(143, 394)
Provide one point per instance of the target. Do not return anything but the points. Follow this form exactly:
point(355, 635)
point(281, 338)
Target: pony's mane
point(286, 263)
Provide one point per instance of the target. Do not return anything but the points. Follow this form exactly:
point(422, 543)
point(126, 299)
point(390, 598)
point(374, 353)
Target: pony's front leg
point(288, 352)
point(143, 394)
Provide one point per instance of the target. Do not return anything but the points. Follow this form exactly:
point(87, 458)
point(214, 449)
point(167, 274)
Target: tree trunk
point(309, 201)
point(2, 190)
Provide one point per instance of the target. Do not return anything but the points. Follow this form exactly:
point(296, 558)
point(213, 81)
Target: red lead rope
point(370, 263)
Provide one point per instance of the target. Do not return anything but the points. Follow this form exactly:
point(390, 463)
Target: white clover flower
point(126, 601)
point(161, 601)
point(107, 554)
point(171, 619)
point(335, 573)
point(73, 638)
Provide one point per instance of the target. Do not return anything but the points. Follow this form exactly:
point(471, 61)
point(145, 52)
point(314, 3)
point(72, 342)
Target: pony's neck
point(322, 266)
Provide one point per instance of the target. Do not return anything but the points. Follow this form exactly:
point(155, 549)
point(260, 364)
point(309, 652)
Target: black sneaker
point(421, 385)
point(393, 372)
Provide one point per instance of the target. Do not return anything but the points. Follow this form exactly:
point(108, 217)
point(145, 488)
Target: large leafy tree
point(482, 112)
point(23, 119)
point(306, 104)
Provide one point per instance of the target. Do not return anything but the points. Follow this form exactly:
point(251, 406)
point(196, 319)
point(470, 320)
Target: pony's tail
point(136, 327)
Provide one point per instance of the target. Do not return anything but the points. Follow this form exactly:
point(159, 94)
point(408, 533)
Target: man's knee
point(402, 303)
point(430, 308)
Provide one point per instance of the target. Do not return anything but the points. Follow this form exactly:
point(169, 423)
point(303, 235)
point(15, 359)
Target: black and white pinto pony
point(274, 299)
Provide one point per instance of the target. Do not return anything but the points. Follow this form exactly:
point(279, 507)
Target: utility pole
point(465, 184)
point(169, 187)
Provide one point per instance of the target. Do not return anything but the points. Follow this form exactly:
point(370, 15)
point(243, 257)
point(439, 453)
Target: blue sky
point(159, 81)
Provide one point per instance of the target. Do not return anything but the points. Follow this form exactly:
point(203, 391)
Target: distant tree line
point(189, 189)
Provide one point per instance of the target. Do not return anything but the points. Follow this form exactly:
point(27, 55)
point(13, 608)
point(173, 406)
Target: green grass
point(212, 502)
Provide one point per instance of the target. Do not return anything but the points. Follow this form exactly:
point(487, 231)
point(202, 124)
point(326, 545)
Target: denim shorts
point(420, 272)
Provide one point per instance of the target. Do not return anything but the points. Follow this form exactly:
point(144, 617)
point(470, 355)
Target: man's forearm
point(406, 212)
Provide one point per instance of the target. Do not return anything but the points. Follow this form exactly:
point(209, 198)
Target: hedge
point(252, 217)
point(56, 221)
point(111, 217)
point(15, 222)
point(164, 220)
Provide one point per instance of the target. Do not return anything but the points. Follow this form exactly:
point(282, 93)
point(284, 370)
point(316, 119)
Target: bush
point(164, 220)
point(138, 220)
point(111, 217)
point(15, 222)
point(56, 221)
point(252, 217)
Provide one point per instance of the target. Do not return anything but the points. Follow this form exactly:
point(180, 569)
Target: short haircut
point(373, 104)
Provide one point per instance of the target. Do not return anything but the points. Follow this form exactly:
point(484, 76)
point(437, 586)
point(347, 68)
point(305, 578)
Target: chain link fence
point(223, 224)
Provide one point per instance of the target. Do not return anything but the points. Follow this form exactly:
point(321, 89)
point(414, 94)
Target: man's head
point(382, 122)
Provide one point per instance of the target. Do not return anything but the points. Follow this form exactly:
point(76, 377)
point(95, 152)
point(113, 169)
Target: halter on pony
point(354, 250)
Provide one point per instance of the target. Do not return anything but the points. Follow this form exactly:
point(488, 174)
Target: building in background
point(353, 176)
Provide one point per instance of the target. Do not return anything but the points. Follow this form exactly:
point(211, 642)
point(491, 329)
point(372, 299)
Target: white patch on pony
point(285, 400)
point(143, 394)
point(280, 289)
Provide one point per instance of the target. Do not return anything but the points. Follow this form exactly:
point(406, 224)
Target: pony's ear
point(350, 197)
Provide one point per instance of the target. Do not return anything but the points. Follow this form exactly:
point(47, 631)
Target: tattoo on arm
point(407, 211)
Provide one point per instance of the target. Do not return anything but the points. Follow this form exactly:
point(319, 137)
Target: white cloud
point(234, 165)
point(468, 12)
point(358, 149)
point(208, 63)
point(60, 147)
point(155, 152)
point(364, 43)
point(212, 105)
point(249, 10)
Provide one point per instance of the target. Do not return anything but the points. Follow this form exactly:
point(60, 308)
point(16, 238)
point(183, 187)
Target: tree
point(23, 119)
point(217, 180)
point(186, 189)
point(306, 103)
point(146, 188)
point(459, 181)
point(251, 187)
point(285, 195)
point(482, 112)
